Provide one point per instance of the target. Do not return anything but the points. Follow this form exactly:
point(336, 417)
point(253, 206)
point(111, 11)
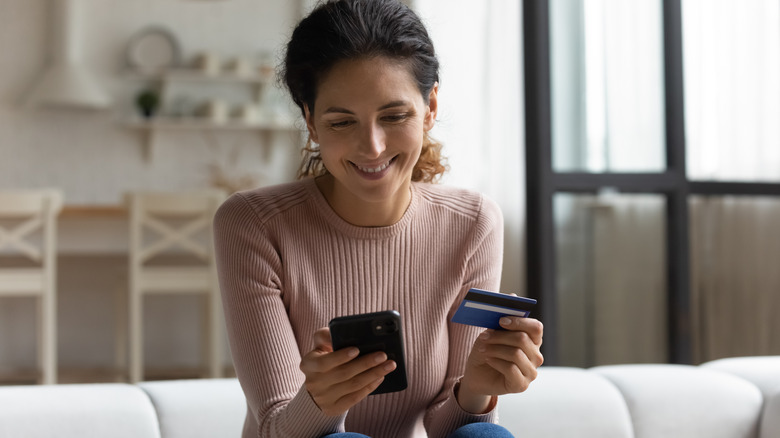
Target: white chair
point(179, 224)
point(28, 229)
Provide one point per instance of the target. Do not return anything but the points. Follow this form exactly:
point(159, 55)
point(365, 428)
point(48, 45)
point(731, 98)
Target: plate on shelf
point(153, 50)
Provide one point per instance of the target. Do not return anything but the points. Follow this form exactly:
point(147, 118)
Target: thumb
point(322, 340)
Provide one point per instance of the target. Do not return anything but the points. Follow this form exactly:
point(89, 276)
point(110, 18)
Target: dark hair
point(338, 30)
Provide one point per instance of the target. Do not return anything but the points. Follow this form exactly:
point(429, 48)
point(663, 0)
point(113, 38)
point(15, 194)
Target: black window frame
point(542, 182)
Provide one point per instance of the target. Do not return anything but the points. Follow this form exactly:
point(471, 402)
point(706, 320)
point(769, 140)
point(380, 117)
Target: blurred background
point(100, 98)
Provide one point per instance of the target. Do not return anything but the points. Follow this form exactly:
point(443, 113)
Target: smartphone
point(371, 332)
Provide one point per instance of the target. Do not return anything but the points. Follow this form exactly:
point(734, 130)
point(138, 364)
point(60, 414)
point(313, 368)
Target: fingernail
point(505, 321)
point(353, 352)
point(390, 366)
point(379, 358)
point(484, 335)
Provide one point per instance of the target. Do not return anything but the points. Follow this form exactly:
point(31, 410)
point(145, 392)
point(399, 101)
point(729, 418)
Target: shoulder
point(459, 201)
point(262, 204)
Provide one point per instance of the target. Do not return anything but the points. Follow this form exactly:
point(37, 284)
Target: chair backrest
point(165, 222)
point(25, 214)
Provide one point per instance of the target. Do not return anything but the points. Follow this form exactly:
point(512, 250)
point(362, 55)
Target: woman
point(365, 230)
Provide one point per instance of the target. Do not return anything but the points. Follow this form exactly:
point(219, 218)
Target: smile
point(376, 169)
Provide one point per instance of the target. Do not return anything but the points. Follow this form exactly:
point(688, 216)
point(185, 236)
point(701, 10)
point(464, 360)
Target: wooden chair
point(28, 230)
point(177, 225)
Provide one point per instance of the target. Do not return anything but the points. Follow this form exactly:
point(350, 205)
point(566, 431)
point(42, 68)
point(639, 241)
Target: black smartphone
point(370, 332)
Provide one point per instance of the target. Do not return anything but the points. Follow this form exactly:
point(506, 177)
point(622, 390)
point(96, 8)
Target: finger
point(533, 327)
point(358, 366)
point(346, 402)
point(364, 379)
point(515, 380)
point(319, 361)
point(510, 343)
point(527, 356)
point(322, 339)
point(352, 389)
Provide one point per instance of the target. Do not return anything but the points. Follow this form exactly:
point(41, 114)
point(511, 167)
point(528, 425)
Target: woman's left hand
point(501, 362)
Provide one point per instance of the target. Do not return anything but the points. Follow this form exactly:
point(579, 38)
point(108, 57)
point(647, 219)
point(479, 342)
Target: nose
point(372, 140)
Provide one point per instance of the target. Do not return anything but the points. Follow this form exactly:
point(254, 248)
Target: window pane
point(732, 92)
point(607, 85)
point(611, 279)
point(734, 276)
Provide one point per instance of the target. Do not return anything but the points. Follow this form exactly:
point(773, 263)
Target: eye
point(393, 118)
point(340, 124)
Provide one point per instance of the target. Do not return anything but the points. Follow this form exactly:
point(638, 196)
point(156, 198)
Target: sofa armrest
point(762, 371)
point(198, 408)
point(566, 402)
point(77, 411)
point(686, 401)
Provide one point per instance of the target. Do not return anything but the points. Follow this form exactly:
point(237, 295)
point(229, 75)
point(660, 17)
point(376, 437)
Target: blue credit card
point(483, 308)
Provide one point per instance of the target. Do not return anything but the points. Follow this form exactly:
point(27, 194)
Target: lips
point(374, 169)
point(380, 168)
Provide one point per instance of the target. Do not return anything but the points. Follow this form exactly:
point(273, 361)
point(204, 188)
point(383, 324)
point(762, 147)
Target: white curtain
point(480, 121)
point(611, 279)
point(732, 88)
point(732, 84)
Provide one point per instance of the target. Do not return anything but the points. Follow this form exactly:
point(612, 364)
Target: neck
point(360, 212)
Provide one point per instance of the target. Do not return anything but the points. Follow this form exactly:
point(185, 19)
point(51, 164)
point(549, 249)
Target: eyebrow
point(393, 104)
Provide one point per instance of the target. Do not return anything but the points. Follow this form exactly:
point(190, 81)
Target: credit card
point(483, 308)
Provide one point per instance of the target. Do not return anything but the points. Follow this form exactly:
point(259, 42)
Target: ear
point(310, 124)
point(433, 106)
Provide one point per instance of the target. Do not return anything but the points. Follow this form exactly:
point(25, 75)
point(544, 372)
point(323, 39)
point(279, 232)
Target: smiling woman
point(365, 230)
point(369, 120)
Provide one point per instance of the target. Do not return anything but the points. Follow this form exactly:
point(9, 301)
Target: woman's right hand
point(339, 380)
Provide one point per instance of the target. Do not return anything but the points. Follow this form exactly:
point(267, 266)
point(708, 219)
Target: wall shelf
point(262, 119)
point(202, 123)
point(195, 75)
point(151, 127)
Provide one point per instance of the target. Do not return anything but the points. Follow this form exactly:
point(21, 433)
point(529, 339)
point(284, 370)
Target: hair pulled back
point(338, 30)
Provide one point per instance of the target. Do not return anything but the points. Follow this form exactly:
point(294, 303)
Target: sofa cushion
point(763, 371)
point(198, 408)
point(686, 401)
point(77, 411)
point(566, 402)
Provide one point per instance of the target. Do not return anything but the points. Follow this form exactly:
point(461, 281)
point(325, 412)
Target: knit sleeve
point(482, 269)
point(264, 349)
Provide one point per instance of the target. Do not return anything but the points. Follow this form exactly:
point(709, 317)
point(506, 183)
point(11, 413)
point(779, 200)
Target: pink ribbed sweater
point(288, 264)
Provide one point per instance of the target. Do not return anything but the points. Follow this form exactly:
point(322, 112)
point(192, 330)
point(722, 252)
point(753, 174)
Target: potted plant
point(147, 102)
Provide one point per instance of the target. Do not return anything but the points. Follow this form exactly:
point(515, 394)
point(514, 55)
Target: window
point(642, 118)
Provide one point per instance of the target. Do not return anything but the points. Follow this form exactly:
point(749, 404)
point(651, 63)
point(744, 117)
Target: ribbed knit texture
point(288, 264)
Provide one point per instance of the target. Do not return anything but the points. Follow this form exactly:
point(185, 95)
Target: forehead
point(366, 82)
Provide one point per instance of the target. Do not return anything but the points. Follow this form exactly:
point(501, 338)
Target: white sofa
point(729, 398)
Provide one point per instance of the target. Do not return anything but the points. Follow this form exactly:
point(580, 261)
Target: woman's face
point(369, 120)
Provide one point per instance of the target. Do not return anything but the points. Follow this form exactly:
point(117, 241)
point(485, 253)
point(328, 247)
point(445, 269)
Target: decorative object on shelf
point(248, 113)
point(240, 66)
point(148, 101)
point(153, 50)
point(208, 63)
point(265, 66)
point(215, 111)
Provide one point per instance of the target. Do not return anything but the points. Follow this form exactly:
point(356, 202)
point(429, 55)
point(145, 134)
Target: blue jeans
point(474, 430)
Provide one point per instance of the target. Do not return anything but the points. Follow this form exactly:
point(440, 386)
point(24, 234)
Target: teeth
point(375, 169)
